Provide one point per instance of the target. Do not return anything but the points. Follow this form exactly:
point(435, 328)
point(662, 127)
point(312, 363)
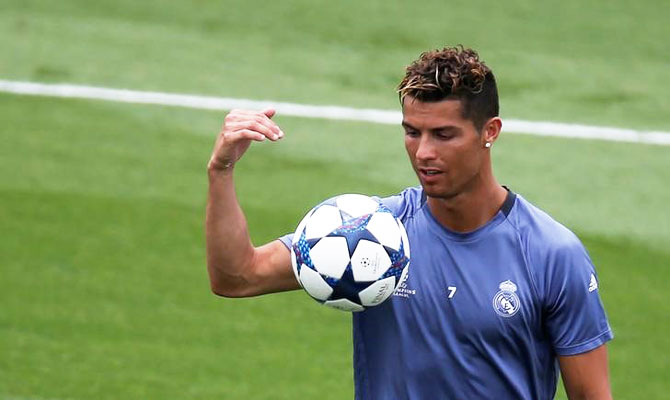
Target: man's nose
point(426, 148)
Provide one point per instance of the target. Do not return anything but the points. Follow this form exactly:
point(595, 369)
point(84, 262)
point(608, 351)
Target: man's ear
point(491, 131)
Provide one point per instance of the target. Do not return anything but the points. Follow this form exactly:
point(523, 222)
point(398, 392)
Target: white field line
point(311, 111)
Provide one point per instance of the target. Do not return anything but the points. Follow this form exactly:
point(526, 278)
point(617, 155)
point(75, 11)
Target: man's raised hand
point(240, 128)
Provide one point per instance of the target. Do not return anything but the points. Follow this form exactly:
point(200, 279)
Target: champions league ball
point(350, 252)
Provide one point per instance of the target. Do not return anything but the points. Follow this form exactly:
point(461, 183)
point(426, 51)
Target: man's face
point(445, 149)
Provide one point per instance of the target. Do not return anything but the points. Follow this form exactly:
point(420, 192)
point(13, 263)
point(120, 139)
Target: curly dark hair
point(453, 73)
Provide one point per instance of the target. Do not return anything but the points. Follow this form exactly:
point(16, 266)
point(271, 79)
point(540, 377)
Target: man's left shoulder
point(552, 250)
point(540, 230)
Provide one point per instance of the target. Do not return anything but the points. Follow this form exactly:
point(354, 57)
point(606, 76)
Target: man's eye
point(411, 133)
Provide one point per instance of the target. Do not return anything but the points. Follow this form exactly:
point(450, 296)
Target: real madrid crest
point(506, 302)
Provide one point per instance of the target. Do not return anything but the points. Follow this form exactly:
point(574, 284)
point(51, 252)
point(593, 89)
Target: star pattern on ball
point(398, 261)
point(354, 230)
point(301, 250)
point(348, 288)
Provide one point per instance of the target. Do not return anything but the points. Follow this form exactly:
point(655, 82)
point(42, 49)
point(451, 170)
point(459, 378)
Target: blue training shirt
point(481, 315)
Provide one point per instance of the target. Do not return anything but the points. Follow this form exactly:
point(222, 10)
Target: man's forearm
point(229, 248)
point(585, 376)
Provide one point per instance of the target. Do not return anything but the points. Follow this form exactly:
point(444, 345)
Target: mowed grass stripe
point(543, 128)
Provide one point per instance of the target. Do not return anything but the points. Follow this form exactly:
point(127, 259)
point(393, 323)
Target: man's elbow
point(222, 291)
point(229, 286)
point(230, 291)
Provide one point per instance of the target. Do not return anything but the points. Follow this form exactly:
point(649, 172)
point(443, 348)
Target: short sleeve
point(575, 317)
point(404, 204)
point(287, 240)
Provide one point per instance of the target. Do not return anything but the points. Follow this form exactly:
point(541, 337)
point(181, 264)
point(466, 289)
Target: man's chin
point(438, 193)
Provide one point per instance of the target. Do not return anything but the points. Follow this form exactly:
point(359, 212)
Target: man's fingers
point(269, 113)
point(270, 131)
point(262, 117)
point(247, 134)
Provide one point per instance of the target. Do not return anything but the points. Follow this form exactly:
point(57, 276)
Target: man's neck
point(469, 210)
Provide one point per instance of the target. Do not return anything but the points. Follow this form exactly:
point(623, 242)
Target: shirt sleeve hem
point(586, 346)
point(286, 240)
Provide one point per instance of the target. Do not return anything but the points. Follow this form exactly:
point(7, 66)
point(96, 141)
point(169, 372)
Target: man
point(499, 295)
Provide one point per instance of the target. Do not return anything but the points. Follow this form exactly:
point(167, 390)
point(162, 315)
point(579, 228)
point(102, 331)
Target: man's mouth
point(429, 171)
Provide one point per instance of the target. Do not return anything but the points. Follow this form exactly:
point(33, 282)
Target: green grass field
point(104, 289)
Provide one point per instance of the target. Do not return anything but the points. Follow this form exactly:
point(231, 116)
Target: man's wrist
point(217, 168)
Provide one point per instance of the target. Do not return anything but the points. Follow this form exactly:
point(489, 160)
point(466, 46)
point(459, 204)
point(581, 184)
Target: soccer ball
point(350, 252)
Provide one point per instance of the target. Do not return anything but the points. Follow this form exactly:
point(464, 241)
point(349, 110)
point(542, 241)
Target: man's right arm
point(236, 268)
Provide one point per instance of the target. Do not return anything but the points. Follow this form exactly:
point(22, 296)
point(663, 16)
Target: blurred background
point(103, 285)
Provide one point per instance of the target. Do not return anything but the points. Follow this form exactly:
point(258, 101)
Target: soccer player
point(499, 296)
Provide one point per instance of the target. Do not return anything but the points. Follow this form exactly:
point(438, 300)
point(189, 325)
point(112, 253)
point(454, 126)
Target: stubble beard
point(448, 189)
